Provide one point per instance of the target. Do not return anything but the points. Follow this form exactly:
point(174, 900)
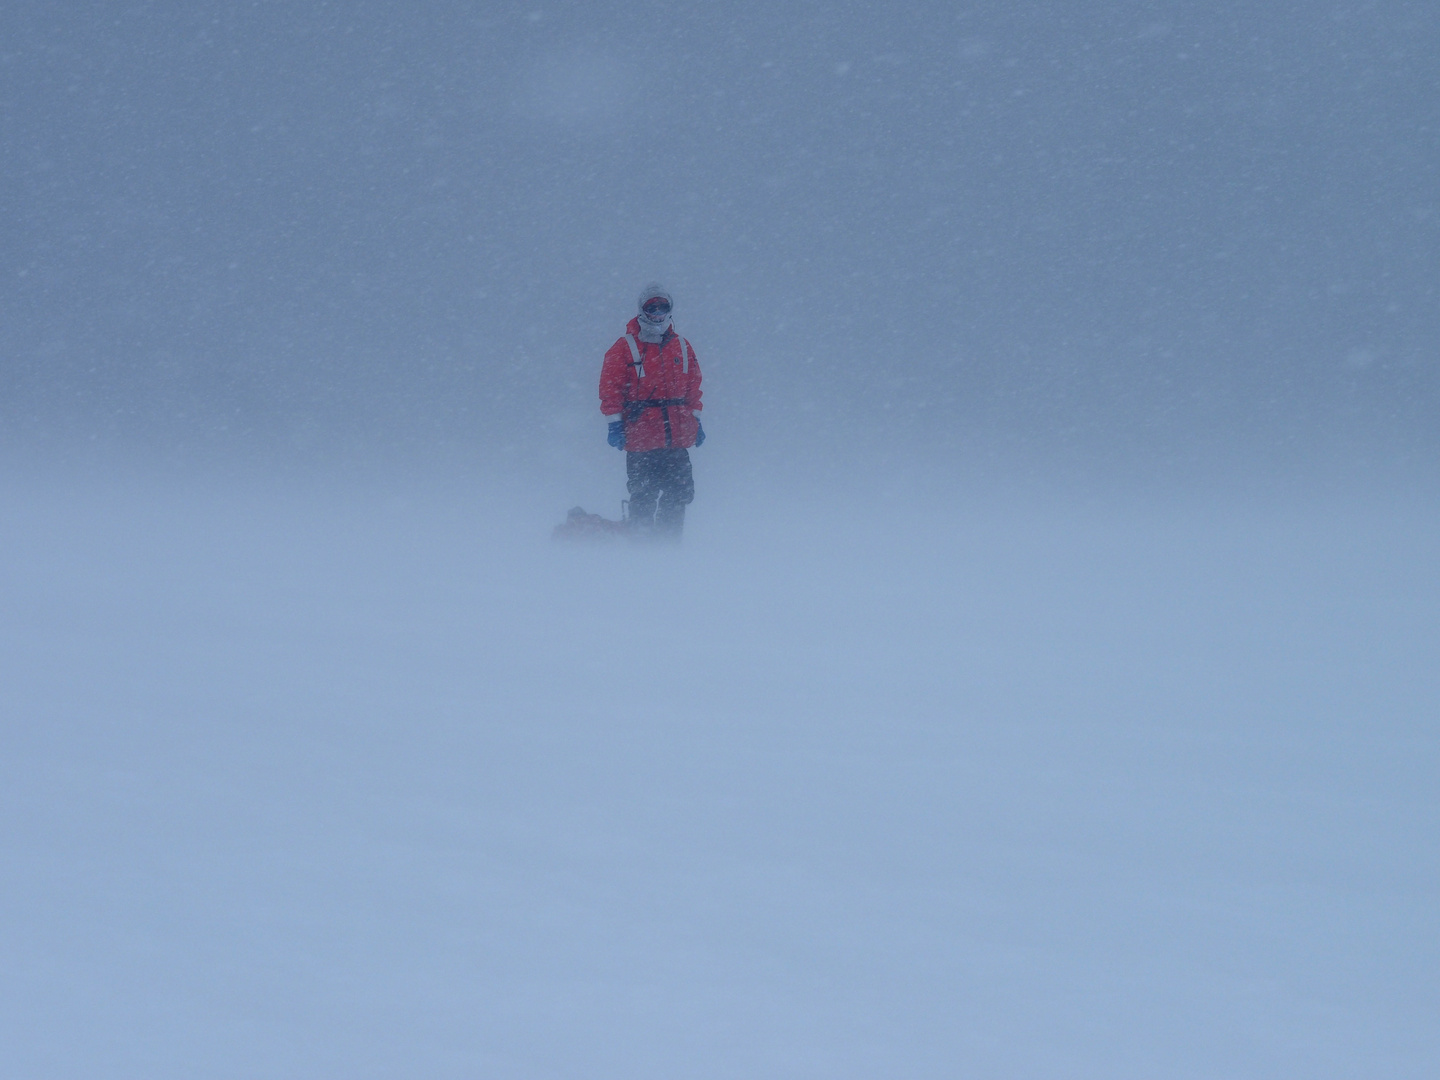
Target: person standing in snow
point(650, 383)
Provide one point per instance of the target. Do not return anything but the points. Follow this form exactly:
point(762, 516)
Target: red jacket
point(658, 406)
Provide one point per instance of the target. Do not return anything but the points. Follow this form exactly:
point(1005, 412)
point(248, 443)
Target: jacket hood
point(649, 292)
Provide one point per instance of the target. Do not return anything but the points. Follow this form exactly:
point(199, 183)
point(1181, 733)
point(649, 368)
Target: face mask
point(654, 320)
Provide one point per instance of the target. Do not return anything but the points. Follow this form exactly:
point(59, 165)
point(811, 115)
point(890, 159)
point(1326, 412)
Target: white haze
point(375, 783)
point(1046, 686)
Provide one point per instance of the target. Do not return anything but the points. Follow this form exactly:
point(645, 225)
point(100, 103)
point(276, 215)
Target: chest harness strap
point(638, 361)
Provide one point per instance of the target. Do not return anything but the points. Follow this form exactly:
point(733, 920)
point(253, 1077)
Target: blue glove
point(699, 433)
point(617, 434)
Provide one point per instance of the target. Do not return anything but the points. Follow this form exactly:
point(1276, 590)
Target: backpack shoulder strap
point(635, 355)
point(684, 356)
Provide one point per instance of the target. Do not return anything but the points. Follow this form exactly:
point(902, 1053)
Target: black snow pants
point(661, 485)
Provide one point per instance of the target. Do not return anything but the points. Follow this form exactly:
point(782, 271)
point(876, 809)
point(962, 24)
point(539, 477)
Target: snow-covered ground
point(384, 784)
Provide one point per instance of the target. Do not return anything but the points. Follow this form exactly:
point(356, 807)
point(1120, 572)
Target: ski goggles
point(656, 308)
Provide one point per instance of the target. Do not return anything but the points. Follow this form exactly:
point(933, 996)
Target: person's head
point(654, 306)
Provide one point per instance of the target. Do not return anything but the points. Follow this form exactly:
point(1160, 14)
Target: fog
point(1143, 231)
point(1047, 682)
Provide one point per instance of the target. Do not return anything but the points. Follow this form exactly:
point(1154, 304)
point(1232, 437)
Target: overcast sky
point(1128, 225)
